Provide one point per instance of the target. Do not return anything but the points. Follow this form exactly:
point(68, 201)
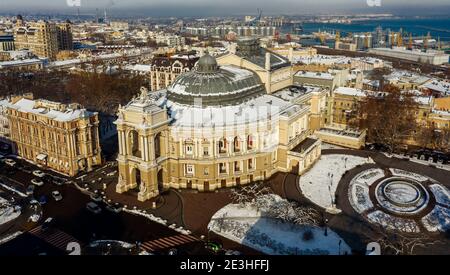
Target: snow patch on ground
point(10, 237)
point(409, 175)
point(359, 197)
point(441, 194)
point(324, 177)
point(157, 219)
point(437, 220)
point(8, 212)
point(249, 226)
point(393, 223)
point(106, 242)
point(13, 190)
point(326, 146)
point(369, 176)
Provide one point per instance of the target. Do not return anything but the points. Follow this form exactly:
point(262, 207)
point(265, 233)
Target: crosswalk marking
point(168, 242)
point(56, 238)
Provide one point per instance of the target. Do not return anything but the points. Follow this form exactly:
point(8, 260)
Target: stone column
point(145, 150)
point(119, 136)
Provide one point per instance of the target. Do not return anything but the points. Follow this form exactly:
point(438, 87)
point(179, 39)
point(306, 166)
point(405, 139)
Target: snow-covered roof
point(64, 62)
point(294, 92)
point(350, 91)
point(4, 103)
point(32, 106)
point(441, 112)
point(266, 107)
point(406, 76)
point(441, 86)
point(20, 62)
point(424, 100)
point(314, 75)
point(323, 59)
point(227, 85)
point(139, 68)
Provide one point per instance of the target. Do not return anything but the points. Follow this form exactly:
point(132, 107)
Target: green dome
point(214, 85)
point(207, 64)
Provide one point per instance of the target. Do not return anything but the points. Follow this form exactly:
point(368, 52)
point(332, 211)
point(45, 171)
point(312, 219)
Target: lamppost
point(340, 241)
point(326, 227)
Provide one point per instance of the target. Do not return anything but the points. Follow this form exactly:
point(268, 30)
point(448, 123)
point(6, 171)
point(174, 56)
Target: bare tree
point(249, 193)
point(389, 117)
point(307, 215)
point(404, 243)
point(429, 136)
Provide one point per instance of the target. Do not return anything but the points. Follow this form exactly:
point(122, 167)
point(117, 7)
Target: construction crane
point(399, 40)
point(255, 22)
point(366, 41)
point(426, 40)
point(410, 44)
point(392, 36)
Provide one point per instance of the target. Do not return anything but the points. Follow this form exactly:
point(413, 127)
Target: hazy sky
point(231, 7)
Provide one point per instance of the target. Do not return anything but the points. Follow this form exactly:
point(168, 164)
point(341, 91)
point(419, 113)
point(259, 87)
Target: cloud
point(218, 7)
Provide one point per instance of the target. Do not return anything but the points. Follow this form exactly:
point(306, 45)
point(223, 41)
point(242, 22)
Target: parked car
point(93, 207)
point(97, 197)
point(10, 162)
point(116, 207)
point(37, 182)
point(58, 181)
point(57, 195)
point(377, 147)
point(439, 156)
point(30, 190)
point(423, 154)
point(39, 173)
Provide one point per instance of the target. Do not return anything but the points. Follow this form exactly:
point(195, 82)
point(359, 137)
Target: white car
point(57, 195)
point(10, 162)
point(38, 173)
point(37, 182)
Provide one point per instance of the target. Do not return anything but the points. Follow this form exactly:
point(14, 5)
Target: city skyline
point(233, 7)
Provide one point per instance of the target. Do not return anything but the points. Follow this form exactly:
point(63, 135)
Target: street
point(72, 217)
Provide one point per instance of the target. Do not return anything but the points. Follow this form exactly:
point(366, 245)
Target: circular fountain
point(401, 196)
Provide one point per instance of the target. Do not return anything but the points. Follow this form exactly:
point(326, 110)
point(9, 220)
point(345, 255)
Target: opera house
point(215, 127)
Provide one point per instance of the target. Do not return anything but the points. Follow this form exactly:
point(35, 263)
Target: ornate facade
point(274, 70)
point(165, 69)
point(214, 127)
point(58, 136)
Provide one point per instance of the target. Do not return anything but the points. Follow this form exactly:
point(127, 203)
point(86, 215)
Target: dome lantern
point(207, 64)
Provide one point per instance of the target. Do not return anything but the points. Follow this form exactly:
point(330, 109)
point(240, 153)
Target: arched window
point(236, 145)
point(134, 143)
point(249, 142)
point(157, 145)
point(223, 146)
